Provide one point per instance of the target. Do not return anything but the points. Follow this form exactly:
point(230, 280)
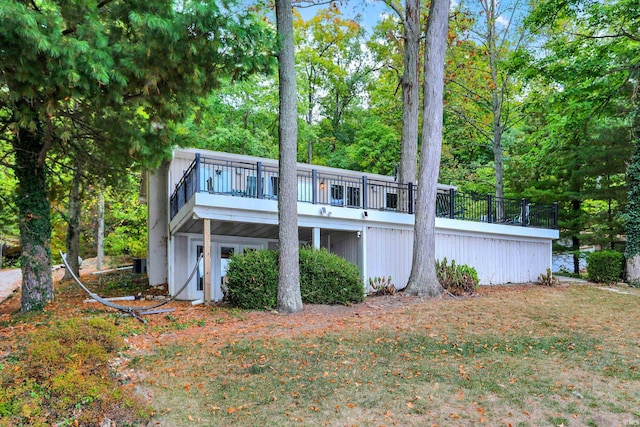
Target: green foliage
point(381, 286)
point(253, 279)
point(109, 80)
point(458, 279)
point(632, 216)
point(62, 376)
point(125, 222)
point(325, 278)
point(605, 266)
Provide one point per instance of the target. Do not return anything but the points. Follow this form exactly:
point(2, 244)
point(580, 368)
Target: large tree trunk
point(410, 93)
point(73, 225)
point(35, 222)
point(632, 218)
point(423, 280)
point(289, 299)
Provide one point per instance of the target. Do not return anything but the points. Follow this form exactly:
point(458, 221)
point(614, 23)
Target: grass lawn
point(512, 356)
point(519, 355)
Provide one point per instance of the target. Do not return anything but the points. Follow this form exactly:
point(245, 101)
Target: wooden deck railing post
point(206, 250)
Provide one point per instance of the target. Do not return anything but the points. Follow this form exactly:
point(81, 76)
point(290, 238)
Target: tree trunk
point(632, 217)
point(289, 299)
point(310, 117)
point(34, 220)
point(423, 280)
point(410, 93)
point(100, 237)
point(73, 225)
point(575, 239)
point(497, 95)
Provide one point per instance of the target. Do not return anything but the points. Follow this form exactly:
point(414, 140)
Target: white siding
point(497, 259)
point(180, 265)
point(389, 253)
point(345, 244)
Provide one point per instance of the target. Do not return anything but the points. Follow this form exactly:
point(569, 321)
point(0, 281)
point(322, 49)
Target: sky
point(368, 10)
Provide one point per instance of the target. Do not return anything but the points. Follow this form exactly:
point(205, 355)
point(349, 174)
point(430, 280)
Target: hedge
point(605, 266)
point(325, 278)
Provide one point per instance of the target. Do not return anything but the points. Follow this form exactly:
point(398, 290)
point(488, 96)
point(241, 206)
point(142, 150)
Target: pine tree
point(123, 70)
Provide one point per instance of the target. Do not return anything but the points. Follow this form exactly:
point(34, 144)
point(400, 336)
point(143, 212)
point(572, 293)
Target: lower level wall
point(497, 259)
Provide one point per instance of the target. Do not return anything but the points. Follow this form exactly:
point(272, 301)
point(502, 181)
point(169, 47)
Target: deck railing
point(256, 180)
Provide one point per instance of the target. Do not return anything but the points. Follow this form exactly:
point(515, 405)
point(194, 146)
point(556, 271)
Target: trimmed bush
point(325, 278)
point(253, 279)
point(457, 279)
point(605, 266)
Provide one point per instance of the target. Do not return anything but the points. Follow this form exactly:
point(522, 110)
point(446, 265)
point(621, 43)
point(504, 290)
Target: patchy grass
point(511, 357)
point(515, 356)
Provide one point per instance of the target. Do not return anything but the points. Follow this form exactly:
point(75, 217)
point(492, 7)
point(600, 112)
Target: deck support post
point(315, 238)
point(206, 252)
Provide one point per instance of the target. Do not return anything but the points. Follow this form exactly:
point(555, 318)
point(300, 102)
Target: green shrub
point(605, 266)
point(62, 376)
point(325, 278)
point(253, 279)
point(548, 279)
point(457, 279)
point(381, 286)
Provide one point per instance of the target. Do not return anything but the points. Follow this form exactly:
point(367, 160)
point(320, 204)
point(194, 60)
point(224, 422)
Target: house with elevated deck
point(217, 204)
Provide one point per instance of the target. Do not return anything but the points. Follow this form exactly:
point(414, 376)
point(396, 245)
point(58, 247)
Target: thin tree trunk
point(73, 225)
point(575, 240)
point(100, 238)
point(423, 280)
point(34, 220)
point(289, 299)
point(310, 117)
point(410, 93)
point(496, 107)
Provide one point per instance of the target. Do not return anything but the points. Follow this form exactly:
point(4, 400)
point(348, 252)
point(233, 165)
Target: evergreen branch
point(74, 28)
point(35, 6)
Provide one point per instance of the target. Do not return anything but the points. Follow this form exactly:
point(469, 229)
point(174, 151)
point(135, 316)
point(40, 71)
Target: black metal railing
point(488, 208)
point(256, 180)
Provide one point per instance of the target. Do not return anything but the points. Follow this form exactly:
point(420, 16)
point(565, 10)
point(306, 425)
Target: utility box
point(140, 265)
